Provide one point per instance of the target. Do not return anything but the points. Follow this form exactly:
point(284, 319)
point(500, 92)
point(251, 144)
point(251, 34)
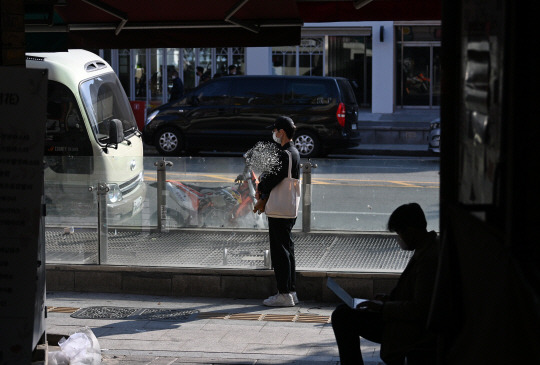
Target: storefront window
point(145, 74)
point(173, 65)
point(418, 66)
point(238, 60)
point(311, 56)
point(284, 60)
point(222, 66)
point(418, 33)
point(416, 80)
point(106, 55)
point(189, 68)
point(123, 70)
point(350, 57)
point(140, 74)
point(346, 56)
point(156, 78)
point(205, 61)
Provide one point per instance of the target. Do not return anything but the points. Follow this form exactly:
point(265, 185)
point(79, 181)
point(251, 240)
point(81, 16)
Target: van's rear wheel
point(307, 143)
point(169, 142)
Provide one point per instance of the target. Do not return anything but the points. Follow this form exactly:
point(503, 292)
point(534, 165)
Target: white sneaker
point(294, 297)
point(279, 300)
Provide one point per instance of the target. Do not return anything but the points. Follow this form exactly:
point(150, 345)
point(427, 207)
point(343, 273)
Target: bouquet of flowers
point(263, 158)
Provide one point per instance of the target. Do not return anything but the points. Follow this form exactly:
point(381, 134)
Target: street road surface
point(353, 194)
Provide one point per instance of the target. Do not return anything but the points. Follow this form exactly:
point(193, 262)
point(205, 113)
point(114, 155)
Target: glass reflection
point(189, 68)
point(204, 195)
point(140, 74)
point(156, 78)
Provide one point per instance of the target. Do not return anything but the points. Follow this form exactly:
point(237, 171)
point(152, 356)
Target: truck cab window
point(66, 138)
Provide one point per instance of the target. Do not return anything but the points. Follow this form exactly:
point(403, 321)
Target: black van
point(233, 113)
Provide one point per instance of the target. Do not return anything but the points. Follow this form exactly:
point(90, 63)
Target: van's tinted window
point(347, 92)
point(309, 92)
point(214, 93)
point(255, 91)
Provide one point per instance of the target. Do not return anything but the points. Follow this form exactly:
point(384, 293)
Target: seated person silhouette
point(397, 321)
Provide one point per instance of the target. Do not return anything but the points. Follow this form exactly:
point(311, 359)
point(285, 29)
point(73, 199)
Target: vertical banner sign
point(22, 126)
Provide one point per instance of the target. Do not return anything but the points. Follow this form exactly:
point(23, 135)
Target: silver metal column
point(306, 195)
point(103, 226)
point(161, 194)
point(267, 259)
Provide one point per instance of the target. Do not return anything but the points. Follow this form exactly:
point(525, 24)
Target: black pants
point(348, 325)
point(282, 253)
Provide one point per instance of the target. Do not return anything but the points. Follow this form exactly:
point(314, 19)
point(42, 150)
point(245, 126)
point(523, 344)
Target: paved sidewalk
point(137, 329)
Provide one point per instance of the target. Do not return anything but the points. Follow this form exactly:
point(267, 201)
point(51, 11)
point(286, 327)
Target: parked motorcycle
point(223, 206)
point(418, 84)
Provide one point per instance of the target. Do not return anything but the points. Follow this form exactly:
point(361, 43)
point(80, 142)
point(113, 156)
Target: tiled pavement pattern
point(136, 330)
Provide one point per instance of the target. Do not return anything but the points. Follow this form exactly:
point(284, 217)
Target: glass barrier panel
point(71, 210)
point(358, 195)
point(207, 219)
point(202, 192)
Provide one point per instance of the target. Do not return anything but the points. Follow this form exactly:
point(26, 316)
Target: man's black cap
point(284, 123)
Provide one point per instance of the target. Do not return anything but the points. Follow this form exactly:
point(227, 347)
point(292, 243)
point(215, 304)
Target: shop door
point(419, 77)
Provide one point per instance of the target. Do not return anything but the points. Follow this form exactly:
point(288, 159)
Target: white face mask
point(275, 137)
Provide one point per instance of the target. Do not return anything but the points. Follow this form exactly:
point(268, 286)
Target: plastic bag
point(81, 348)
point(57, 358)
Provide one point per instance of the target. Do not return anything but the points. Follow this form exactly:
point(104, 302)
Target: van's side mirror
point(116, 132)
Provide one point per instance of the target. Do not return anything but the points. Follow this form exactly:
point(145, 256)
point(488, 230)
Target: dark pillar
point(12, 33)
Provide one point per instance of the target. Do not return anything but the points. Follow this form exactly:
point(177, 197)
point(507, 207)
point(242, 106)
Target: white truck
point(91, 137)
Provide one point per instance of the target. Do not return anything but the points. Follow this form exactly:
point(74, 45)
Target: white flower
point(263, 157)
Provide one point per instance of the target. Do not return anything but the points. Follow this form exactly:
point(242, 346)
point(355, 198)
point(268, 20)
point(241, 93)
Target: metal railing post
point(267, 259)
point(306, 195)
point(103, 225)
point(161, 194)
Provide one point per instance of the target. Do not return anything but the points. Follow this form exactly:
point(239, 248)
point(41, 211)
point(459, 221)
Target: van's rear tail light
point(340, 114)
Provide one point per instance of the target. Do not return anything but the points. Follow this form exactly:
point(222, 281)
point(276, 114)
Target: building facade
point(391, 65)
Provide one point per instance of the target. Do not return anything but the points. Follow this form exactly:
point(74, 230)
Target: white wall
point(258, 61)
point(383, 70)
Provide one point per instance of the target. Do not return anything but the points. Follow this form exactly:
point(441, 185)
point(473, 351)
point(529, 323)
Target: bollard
point(267, 259)
point(103, 240)
point(225, 252)
point(161, 197)
point(306, 195)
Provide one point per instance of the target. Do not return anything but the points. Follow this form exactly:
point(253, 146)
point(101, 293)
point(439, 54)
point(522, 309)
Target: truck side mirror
point(116, 132)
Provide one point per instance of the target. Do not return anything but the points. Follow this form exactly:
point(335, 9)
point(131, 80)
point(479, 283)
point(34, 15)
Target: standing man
point(177, 89)
point(203, 76)
point(397, 321)
point(281, 242)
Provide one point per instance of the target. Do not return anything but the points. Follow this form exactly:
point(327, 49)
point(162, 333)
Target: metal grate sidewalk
point(366, 252)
